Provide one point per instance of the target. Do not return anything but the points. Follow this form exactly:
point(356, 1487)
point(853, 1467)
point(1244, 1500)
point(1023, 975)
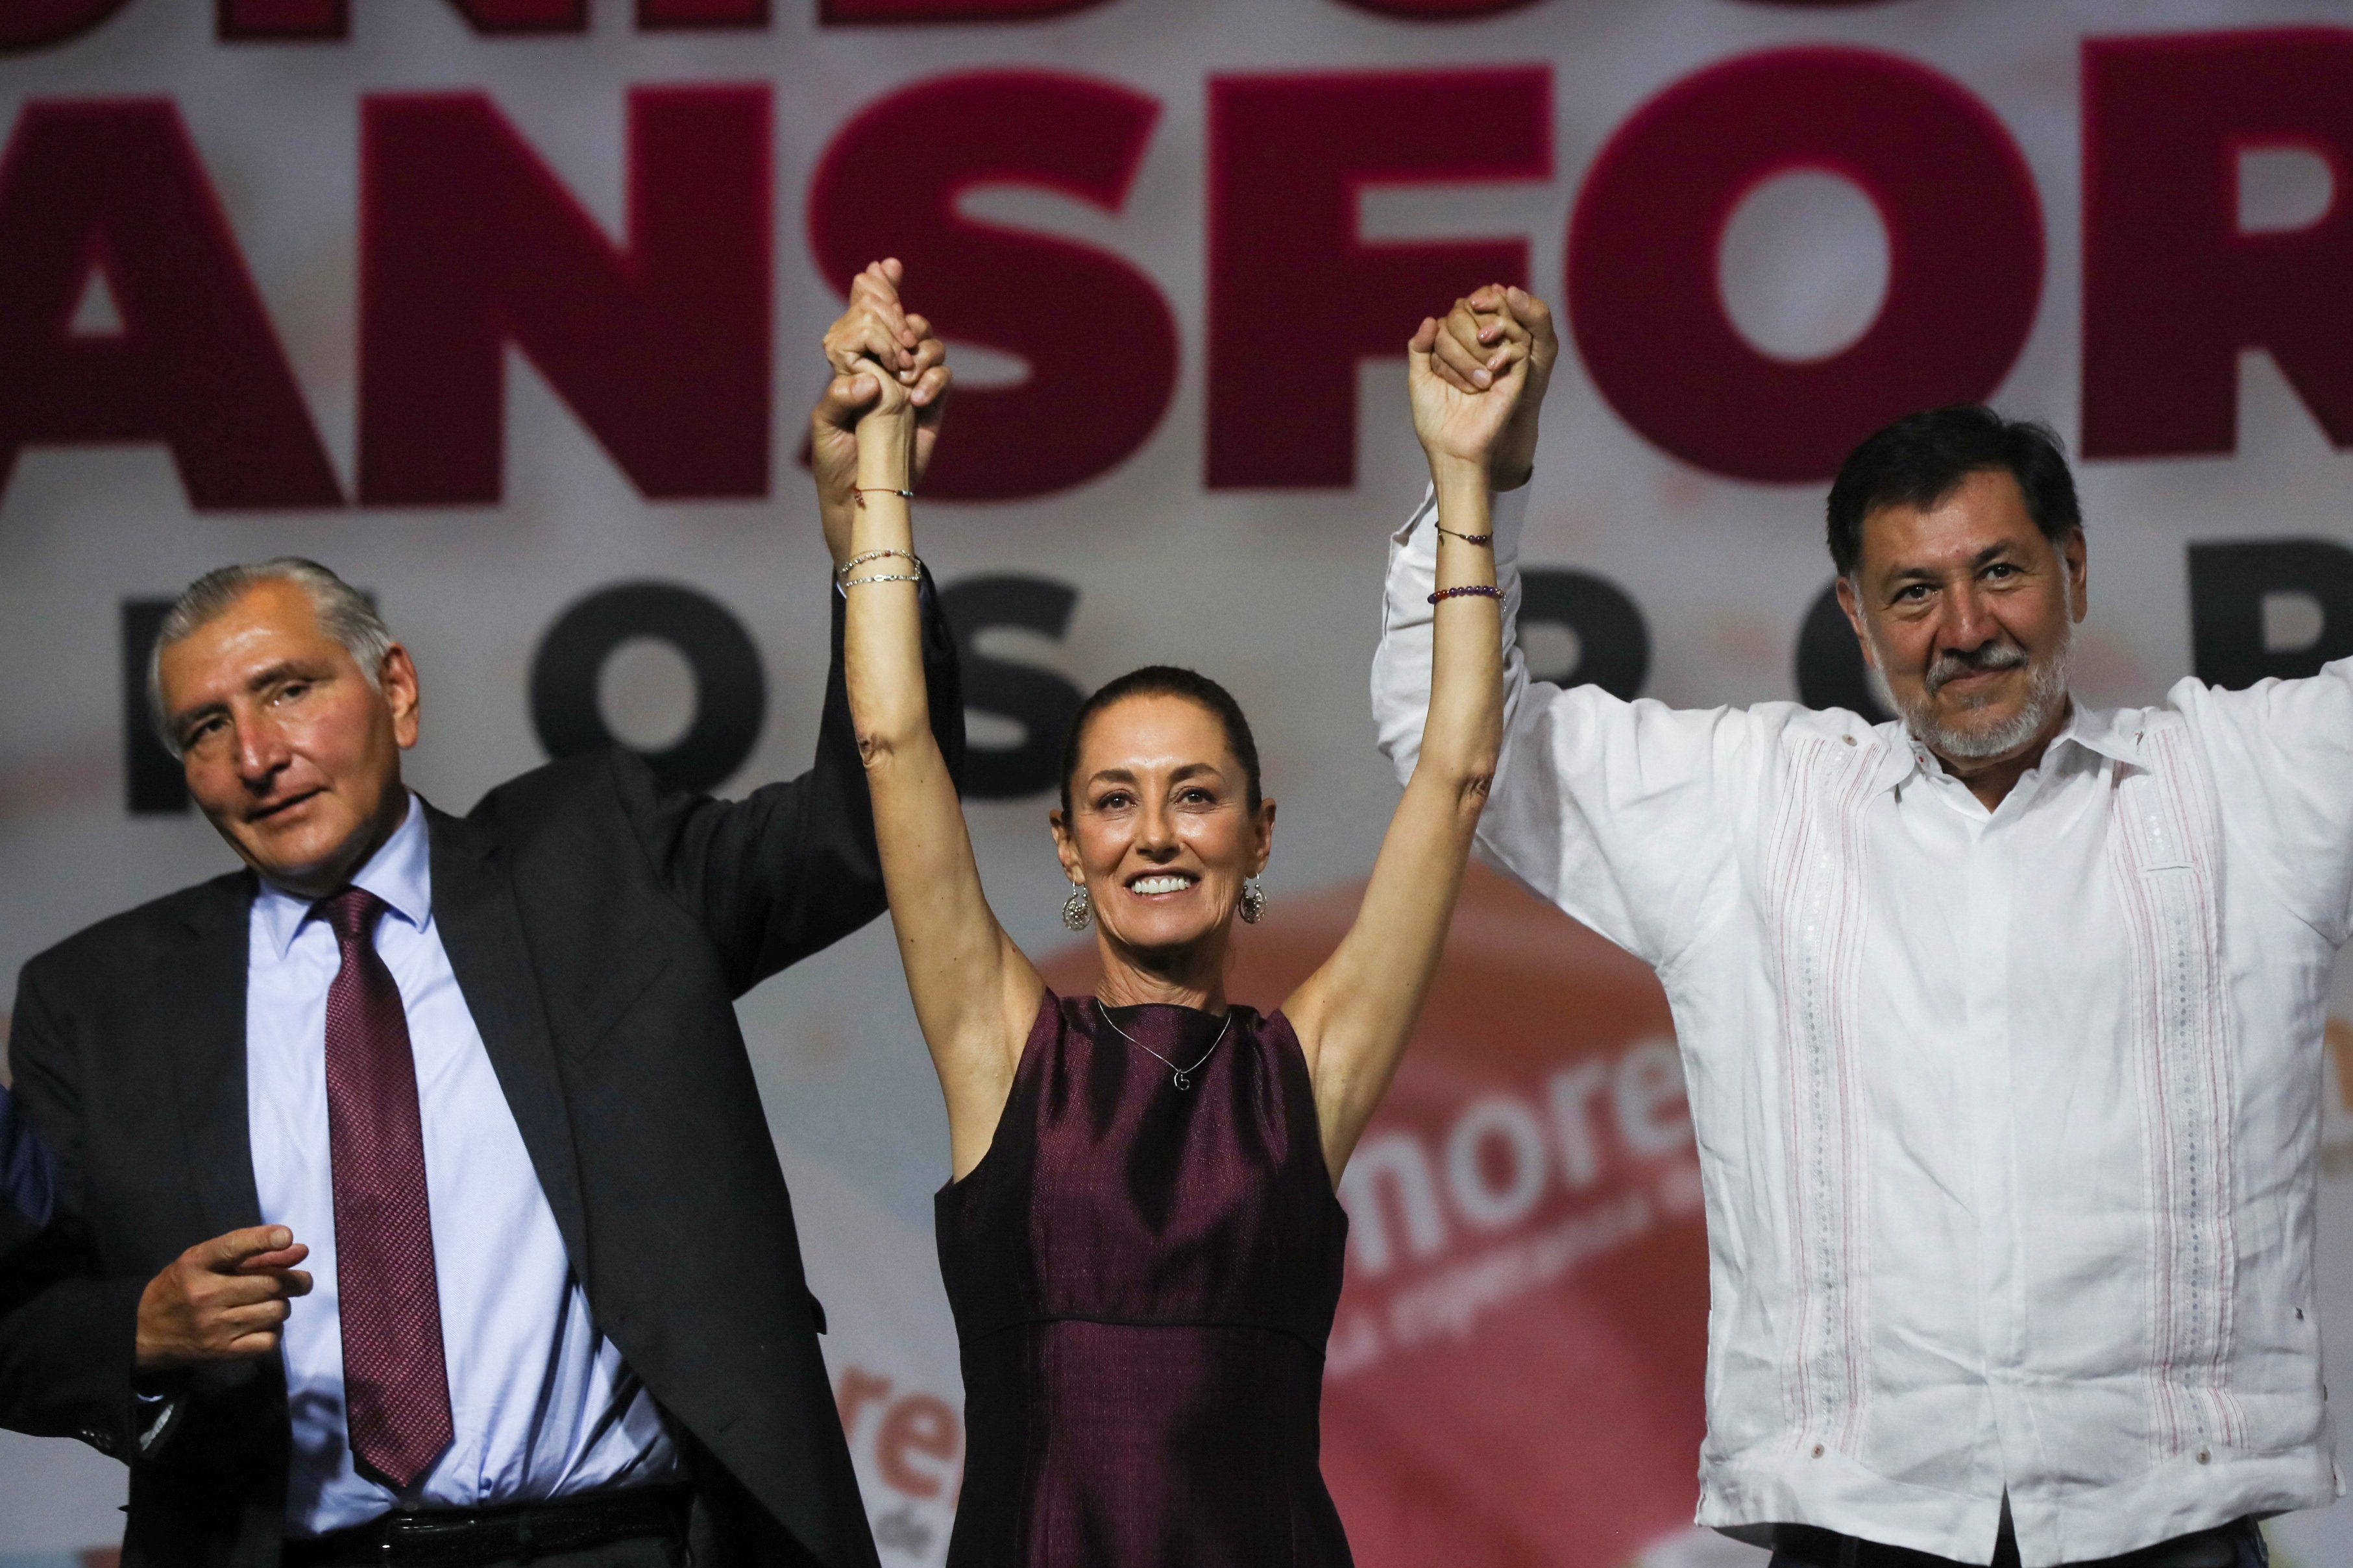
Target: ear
point(1066, 848)
point(398, 680)
point(1262, 830)
point(1850, 602)
point(2074, 552)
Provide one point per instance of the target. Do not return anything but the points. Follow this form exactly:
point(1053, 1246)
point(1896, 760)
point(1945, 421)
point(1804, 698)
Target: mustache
point(1951, 666)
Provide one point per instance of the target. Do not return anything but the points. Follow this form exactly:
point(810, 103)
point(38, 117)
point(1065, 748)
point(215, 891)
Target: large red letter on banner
point(467, 243)
point(115, 189)
point(1292, 285)
point(1101, 343)
point(1966, 234)
point(2172, 290)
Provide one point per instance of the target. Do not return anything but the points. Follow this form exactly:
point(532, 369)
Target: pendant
point(1184, 1078)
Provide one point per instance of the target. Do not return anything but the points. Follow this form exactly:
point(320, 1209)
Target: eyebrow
point(1985, 557)
point(260, 680)
point(1125, 775)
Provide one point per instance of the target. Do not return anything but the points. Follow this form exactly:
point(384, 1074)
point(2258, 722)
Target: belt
point(459, 1537)
point(2216, 1548)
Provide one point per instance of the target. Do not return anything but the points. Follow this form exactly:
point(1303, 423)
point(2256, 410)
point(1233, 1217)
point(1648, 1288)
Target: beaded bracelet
point(1468, 591)
point(884, 577)
point(841, 573)
point(1465, 538)
point(863, 491)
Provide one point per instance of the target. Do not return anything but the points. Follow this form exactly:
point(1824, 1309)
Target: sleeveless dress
point(1143, 1278)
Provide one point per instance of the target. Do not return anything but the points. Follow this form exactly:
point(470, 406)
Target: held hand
point(1472, 342)
point(876, 334)
point(1459, 427)
point(223, 1299)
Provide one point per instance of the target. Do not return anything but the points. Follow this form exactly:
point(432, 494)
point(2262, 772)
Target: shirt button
point(2204, 1458)
point(1818, 1450)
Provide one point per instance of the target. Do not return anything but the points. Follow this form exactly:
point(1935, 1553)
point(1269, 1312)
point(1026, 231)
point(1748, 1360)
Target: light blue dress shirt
point(542, 1403)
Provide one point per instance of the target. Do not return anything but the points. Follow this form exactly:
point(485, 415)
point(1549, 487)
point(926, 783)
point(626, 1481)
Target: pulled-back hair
point(1918, 460)
point(343, 612)
point(1165, 680)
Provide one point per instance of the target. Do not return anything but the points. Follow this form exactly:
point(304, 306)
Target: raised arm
point(1617, 812)
point(976, 995)
point(1354, 1015)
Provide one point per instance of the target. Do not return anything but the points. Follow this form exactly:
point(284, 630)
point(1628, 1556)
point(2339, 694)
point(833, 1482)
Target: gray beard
point(2046, 699)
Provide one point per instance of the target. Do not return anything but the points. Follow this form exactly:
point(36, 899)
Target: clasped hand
point(1477, 382)
point(889, 367)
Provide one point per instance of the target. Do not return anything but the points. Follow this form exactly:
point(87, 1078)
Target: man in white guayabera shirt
point(2001, 1024)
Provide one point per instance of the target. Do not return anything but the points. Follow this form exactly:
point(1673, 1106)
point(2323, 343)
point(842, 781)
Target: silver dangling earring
point(1078, 909)
point(1254, 902)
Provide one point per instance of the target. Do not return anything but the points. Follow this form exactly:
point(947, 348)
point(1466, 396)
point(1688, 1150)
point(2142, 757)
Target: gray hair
point(343, 612)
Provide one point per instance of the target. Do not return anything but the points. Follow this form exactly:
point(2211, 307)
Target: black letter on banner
point(153, 785)
point(1830, 672)
point(731, 695)
point(1040, 701)
point(2229, 585)
point(1614, 646)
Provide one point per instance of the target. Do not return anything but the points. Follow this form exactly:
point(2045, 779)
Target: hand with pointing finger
point(223, 1299)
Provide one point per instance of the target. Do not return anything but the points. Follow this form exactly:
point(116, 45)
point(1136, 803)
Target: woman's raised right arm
point(976, 994)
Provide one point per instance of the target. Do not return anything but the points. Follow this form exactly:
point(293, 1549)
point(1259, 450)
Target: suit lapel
point(481, 930)
point(203, 986)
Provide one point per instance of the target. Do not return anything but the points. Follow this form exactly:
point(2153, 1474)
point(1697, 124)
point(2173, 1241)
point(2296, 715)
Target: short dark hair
point(1166, 681)
point(1919, 459)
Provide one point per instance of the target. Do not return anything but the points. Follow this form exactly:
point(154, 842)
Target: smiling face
point(290, 751)
point(1160, 828)
point(1967, 613)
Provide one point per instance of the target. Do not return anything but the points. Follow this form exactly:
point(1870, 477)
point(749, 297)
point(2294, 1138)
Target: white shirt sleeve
point(2282, 757)
point(1614, 811)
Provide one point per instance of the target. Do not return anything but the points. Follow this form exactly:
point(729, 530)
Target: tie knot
point(348, 914)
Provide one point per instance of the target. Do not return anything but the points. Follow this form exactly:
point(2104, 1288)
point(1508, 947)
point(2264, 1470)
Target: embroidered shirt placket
point(2187, 1066)
point(1816, 876)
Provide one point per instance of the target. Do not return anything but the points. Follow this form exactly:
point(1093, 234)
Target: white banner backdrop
point(534, 293)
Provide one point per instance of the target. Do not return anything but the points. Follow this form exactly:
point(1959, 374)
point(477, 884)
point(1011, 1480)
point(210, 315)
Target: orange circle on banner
point(1515, 1376)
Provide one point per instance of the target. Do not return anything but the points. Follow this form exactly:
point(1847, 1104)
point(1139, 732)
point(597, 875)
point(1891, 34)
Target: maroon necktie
point(395, 1383)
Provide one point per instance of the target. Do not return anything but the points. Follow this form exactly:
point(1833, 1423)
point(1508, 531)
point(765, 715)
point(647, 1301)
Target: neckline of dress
point(1202, 1013)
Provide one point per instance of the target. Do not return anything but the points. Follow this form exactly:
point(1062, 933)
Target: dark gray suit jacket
point(601, 929)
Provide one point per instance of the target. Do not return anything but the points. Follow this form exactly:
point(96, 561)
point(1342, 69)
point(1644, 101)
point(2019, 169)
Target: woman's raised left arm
point(1353, 1016)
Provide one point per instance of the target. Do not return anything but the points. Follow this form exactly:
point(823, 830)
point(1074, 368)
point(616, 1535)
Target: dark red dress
point(1143, 1278)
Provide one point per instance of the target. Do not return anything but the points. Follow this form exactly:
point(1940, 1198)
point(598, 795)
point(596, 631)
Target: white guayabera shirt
point(2007, 1118)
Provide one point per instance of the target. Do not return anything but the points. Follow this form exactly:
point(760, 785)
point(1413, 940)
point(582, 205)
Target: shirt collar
point(2107, 734)
point(400, 873)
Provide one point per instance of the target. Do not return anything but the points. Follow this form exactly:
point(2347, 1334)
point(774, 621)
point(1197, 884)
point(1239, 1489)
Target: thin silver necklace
point(1184, 1075)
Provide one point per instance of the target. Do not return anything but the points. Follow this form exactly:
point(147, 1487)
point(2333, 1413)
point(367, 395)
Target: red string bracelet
point(1465, 538)
point(863, 491)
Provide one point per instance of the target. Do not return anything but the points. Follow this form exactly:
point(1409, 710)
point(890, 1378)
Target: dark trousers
point(644, 1528)
point(643, 1552)
point(2239, 1545)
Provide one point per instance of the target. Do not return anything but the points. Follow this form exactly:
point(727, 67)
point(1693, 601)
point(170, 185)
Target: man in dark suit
point(486, 1070)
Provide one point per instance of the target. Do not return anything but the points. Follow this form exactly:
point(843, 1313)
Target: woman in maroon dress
point(1141, 1239)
